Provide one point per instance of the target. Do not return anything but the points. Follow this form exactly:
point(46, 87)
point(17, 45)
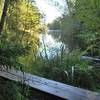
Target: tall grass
point(65, 67)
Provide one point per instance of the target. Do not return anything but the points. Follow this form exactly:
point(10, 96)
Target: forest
point(76, 63)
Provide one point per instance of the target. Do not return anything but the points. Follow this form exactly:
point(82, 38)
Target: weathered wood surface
point(52, 87)
point(90, 58)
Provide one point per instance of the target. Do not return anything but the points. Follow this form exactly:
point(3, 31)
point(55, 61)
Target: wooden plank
point(51, 87)
point(87, 58)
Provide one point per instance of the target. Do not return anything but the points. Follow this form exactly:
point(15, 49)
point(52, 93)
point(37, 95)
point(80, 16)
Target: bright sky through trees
point(50, 11)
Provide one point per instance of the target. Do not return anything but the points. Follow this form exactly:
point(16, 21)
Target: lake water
point(51, 45)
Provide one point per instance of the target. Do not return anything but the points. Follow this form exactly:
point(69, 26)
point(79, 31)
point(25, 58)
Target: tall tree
point(4, 13)
point(18, 40)
point(82, 23)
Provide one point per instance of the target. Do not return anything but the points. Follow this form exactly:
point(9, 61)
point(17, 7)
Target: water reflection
point(50, 46)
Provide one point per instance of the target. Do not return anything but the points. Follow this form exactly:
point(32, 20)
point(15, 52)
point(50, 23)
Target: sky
point(50, 11)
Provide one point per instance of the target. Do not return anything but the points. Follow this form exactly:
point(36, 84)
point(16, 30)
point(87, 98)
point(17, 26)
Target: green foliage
point(60, 68)
point(20, 41)
point(1, 6)
point(21, 31)
point(80, 25)
point(10, 90)
point(10, 53)
point(20, 36)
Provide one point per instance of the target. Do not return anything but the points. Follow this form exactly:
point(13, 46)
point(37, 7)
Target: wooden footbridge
point(58, 89)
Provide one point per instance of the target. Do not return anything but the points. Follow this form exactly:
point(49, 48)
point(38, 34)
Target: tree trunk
point(4, 13)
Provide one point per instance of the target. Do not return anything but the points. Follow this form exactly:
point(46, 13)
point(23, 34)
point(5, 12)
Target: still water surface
point(50, 45)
